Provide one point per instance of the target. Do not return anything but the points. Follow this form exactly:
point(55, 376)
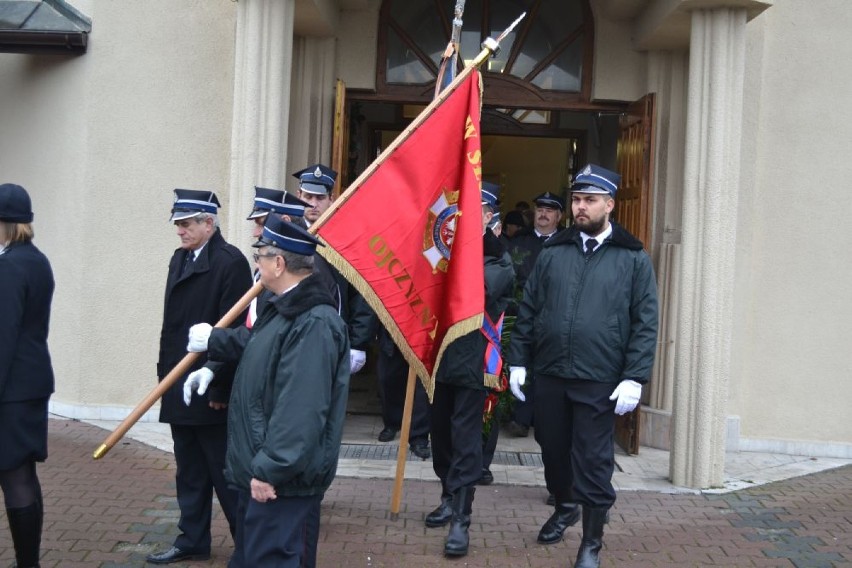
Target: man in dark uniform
point(392, 370)
point(459, 398)
point(316, 186)
point(526, 246)
point(288, 403)
point(206, 278)
point(587, 325)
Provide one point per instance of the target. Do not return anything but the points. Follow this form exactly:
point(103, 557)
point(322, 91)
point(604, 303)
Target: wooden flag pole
point(402, 454)
point(173, 376)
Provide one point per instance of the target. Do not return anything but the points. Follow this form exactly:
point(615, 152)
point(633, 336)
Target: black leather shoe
point(420, 450)
point(487, 478)
point(566, 515)
point(175, 554)
point(387, 434)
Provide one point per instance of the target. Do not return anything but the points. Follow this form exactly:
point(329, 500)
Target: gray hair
point(202, 217)
point(296, 263)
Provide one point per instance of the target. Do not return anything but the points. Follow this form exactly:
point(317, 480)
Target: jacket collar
point(308, 293)
point(619, 237)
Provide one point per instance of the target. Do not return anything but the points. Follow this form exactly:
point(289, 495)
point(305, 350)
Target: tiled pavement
point(114, 511)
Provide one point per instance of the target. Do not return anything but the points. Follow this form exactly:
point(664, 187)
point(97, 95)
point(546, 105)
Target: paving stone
point(112, 512)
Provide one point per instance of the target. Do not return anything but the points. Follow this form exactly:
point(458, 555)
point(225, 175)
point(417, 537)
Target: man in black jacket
point(526, 246)
point(206, 277)
point(587, 325)
point(288, 403)
point(459, 399)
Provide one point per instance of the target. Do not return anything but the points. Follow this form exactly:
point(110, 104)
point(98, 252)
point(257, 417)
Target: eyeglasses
point(258, 256)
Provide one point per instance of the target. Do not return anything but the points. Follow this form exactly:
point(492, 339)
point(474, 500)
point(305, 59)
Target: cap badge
point(317, 173)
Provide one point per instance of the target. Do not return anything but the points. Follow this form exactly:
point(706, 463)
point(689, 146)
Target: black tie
point(543, 238)
point(590, 246)
point(187, 263)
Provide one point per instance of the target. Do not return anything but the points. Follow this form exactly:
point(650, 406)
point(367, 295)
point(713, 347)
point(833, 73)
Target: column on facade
point(262, 79)
point(667, 77)
point(312, 102)
point(711, 187)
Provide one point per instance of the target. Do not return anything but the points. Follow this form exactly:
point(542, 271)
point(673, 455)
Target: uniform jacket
point(359, 317)
point(463, 363)
point(589, 318)
point(26, 291)
point(524, 249)
point(288, 402)
point(211, 285)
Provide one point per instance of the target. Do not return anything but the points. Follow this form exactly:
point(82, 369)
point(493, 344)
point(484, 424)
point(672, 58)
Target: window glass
point(552, 25)
point(564, 73)
point(403, 64)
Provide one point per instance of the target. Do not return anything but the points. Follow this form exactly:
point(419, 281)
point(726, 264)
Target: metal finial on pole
point(491, 46)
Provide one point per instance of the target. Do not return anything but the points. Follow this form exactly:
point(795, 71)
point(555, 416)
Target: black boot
point(442, 514)
point(458, 539)
point(590, 547)
point(566, 515)
point(25, 526)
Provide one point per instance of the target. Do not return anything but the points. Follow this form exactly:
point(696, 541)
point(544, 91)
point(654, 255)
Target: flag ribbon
point(493, 351)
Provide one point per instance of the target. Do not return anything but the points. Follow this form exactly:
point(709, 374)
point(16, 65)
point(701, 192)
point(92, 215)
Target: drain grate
point(389, 452)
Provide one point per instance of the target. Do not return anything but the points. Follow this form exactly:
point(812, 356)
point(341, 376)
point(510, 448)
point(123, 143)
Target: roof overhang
point(666, 24)
point(42, 26)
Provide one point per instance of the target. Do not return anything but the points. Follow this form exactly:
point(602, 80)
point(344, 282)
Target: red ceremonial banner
point(409, 238)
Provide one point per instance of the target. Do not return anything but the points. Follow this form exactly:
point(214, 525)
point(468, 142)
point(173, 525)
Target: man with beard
point(587, 325)
point(526, 246)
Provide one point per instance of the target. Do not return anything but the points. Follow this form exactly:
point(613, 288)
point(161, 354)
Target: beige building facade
point(745, 202)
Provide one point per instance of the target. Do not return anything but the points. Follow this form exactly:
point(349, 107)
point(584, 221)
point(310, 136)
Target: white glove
point(357, 358)
point(628, 394)
point(197, 380)
point(199, 334)
point(517, 378)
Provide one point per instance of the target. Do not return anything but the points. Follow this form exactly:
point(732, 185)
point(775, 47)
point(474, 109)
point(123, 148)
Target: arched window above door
point(546, 61)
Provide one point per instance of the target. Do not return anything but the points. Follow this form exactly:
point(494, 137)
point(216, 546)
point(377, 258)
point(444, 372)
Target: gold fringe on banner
point(454, 332)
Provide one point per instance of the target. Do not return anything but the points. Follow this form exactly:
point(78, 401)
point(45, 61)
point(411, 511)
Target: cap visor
point(181, 215)
point(263, 243)
point(314, 188)
point(257, 213)
point(589, 189)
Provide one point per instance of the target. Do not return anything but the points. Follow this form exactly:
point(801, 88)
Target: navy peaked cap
point(595, 179)
point(190, 202)
point(287, 236)
point(317, 179)
point(548, 199)
point(281, 202)
point(490, 193)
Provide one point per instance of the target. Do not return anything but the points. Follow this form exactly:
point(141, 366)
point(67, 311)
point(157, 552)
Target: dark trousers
point(393, 376)
point(457, 435)
point(489, 444)
point(523, 411)
point(278, 533)
point(575, 422)
point(200, 458)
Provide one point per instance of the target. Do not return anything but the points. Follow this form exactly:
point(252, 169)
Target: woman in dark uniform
point(26, 375)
